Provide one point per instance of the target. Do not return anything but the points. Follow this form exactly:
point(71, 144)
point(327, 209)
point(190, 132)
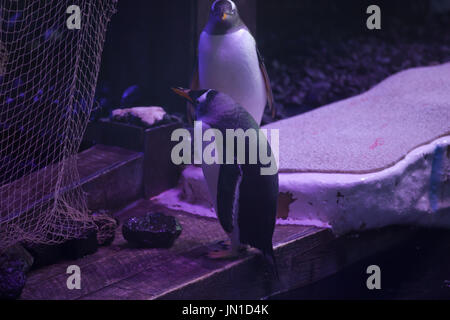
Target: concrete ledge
point(415, 191)
point(381, 158)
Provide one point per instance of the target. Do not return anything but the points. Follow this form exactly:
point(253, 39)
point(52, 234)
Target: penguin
point(229, 61)
point(246, 199)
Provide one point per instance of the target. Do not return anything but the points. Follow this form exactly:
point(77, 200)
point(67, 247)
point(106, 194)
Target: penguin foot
point(226, 252)
point(225, 244)
point(223, 254)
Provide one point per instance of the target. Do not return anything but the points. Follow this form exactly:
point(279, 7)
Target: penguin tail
point(271, 263)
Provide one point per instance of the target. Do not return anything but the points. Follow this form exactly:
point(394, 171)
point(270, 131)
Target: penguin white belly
point(211, 174)
point(229, 63)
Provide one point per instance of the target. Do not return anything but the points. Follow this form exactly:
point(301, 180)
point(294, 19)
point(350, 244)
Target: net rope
point(48, 75)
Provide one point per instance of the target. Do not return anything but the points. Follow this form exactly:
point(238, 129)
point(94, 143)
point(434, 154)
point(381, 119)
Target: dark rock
point(155, 230)
point(315, 73)
point(286, 80)
point(12, 278)
point(351, 62)
point(18, 252)
point(44, 254)
point(83, 245)
point(316, 96)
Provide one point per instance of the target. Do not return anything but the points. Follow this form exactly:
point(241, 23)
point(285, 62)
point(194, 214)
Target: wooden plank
point(112, 133)
point(100, 158)
point(97, 164)
point(194, 276)
point(301, 261)
point(160, 173)
point(110, 266)
point(125, 175)
point(304, 255)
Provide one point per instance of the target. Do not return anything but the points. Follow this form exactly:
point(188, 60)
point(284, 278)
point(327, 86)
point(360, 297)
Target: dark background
point(149, 44)
point(320, 44)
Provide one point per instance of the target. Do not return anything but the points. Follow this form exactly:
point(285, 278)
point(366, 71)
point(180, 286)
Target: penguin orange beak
point(224, 16)
point(183, 93)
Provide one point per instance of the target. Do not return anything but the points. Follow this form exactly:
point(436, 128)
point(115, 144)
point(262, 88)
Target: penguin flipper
point(227, 190)
point(269, 92)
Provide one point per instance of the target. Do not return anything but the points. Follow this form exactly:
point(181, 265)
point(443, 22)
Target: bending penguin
point(246, 199)
point(229, 61)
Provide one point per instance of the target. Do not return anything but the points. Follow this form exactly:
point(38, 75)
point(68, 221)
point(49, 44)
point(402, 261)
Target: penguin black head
point(193, 96)
point(207, 102)
point(223, 18)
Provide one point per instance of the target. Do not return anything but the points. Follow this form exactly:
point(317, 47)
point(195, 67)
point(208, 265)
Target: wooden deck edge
point(304, 255)
point(324, 256)
point(127, 169)
point(126, 178)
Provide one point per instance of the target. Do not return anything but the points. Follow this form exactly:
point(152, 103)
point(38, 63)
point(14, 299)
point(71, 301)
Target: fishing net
point(48, 74)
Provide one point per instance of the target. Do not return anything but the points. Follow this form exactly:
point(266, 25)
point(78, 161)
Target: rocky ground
point(307, 72)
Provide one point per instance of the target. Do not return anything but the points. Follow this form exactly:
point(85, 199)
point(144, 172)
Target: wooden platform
point(98, 168)
point(304, 255)
point(104, 166)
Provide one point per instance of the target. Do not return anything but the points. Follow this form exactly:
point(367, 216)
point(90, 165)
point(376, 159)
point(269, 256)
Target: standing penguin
point(246, 199)
point(229, 61)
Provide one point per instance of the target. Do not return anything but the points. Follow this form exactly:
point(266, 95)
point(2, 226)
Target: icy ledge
point(414, 191)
